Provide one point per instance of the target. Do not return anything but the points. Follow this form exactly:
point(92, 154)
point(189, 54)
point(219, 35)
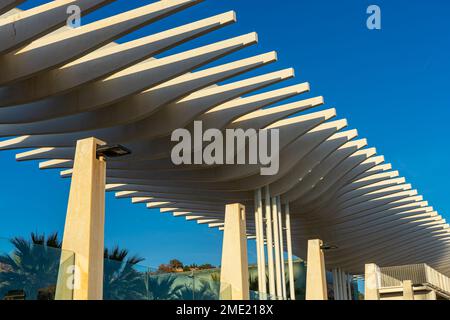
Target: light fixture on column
point(327, 246)
point(112, 151)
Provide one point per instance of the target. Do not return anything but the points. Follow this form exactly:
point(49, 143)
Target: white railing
point(419, 274)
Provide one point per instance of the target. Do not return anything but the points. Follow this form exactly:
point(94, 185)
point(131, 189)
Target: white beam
point(280, 225)
point(289, 252)
point(269, 240)
point(257, 197)
point(276, 233)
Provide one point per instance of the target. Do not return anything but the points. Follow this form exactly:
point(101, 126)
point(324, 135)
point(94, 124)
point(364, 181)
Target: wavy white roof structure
point(58, 85)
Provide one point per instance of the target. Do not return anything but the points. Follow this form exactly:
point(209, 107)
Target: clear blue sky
point(392, 85)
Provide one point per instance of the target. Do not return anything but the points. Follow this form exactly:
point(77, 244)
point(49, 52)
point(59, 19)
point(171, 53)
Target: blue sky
point(391, 84)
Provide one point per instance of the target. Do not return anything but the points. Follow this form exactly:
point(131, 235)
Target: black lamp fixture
point(112, 151)
point(327, 246)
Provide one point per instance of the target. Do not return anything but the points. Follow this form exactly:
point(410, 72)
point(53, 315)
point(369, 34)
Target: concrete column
point(84, 227)
point(342, 285)
point(345, 285)
point(234, 268)
point(349, 286)
point(269, 235)
point(336, 284)
point(276, 234)
point(408, 291)
point(339, 284)
point(372, 282)
point(262, 254)
point(316, 282)
point(258, 238)
point(280, 224)
point(289, 252)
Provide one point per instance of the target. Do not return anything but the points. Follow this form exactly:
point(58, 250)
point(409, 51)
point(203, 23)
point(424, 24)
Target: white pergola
point(59, 85)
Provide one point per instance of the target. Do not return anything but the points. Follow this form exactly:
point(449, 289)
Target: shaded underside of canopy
point(60, 84)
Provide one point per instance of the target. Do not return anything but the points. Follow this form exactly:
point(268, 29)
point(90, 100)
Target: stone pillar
point(316, 282)
point(372, 282)
point(289, 251)
point(408, 291)
point(280, 233)
point(261, 248)
point(342, 289)
point(259, 227)
point(336, 290)
point(349, 286)
point(344, 285)
point(276, 237)
point(257, 234)
point(84, 227)
point(234, 269)
point(269, 238)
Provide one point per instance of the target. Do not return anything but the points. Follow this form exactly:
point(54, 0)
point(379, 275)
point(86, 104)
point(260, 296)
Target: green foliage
point(175, 265)
point(208, 290)
point(163, 287)
point(32, 266)
point(121, 280)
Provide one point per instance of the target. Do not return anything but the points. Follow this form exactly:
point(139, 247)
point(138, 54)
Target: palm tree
point(208, 290)
point(32, 266)
point(186, 292)
point(253, 282)
point(163, 287)
point(197, 289)
point(121, 279)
